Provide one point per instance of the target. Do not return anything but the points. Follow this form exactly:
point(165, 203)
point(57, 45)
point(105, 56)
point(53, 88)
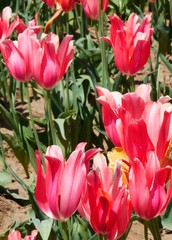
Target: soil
point(11, 212)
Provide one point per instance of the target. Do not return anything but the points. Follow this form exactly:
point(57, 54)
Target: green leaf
point(39, 90)
point(165, 60)
point(13, 196)
point(40, 122)
point(94, 237)
point(5, 178)
point(60, 122)
point(167, 218)
point(44, 227)
point(19, 151)
point(66, 115)
point(8, 118)
point(81, 229)
point(29, 190)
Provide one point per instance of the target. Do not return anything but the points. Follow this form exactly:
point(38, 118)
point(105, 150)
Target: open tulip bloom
point(45, 60)
point(33, 24)
point(91, 8)
point(5, 26)
point(16, 235)
point(147, 186)
point(18, 54)
point(51, 59)
point(118, 109)
point(130, 42)
point(58, 190)
point(66, 5)
point(105, 202)
point(145, 143)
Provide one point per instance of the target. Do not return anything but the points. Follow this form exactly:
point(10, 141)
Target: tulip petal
point(121, 52)
point(73, 180)
point(99, 215)
point(142, 48)
point(14, 60)
point(139, 192)
point(143, 91)
point(133, 104)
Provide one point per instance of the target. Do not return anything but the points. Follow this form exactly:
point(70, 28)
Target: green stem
point(154, 227)
point(146, 229)
point(35, 4)
point(17, 6)
point(102, 237)
point(153, 82)
point(2, 152)
point(157, 74)
point(65, 233)
point(83, 26)
point(69, 228)
point(131, 82)
point(67, 23)
point(33, 124)
point(105, 75)
point(50, 123)
point(67, 107)
point(77, 19)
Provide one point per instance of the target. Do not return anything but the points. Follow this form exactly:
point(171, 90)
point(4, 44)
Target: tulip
point(51, 60)
point(114, 156)
point(16, 235)
point(145, 130)
point(18, 54)
point(130, 42)
point(105, 203)
point(50, 3)
point(119, 112)
point(33, 24)
point(66, 5)
point(140, 135)
point(58, 190)
point(112, 103)
point(5, 26)
point(91, 8)
point(147, 186)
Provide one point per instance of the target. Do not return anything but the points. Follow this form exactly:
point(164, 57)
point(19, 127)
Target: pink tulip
point(5, 26)
point(33, 24)
point(112, 104)
point(16, 235)
point(145, 139)
point(130, 42)
point(147, 186)
point(66, 5)
point(132, 116)
point(18, 54)
point(58, 191)
point(91, 8)
point(151, 131)
point(51, 60)
point(50, 3)
point(105, 203)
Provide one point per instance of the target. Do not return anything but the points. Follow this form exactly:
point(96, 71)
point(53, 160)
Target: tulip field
point(86, 119)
